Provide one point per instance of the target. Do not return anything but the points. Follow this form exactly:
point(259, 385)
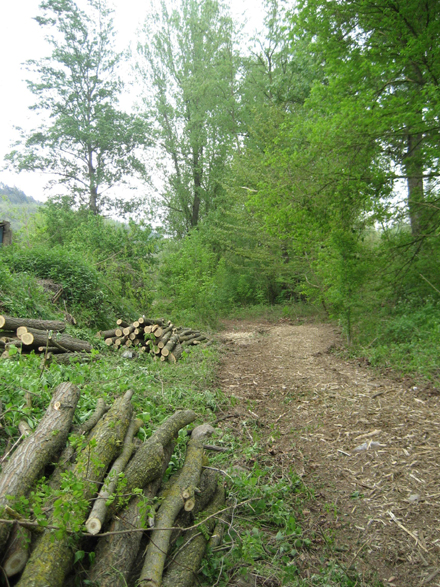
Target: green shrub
point(20, 295)
point(84, 289)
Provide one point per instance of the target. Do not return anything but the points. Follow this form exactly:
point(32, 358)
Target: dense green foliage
point(303, 167)
point(105, 268)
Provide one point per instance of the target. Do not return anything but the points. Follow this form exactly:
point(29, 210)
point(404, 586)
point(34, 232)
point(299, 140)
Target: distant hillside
point(16, 206)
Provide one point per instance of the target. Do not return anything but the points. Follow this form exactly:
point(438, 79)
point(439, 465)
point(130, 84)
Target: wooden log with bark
point(9, 323)
point(174, 500)
point(17, 553)
point(37, 450)
point(99, 510)
point(184, 566)
point(116, 553)
point(63, 341)
point(52, 558)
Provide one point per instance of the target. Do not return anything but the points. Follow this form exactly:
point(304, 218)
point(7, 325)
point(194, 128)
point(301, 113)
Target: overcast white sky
point(21, 39)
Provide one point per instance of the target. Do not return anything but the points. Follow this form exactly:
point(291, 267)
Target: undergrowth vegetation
point(265, 536)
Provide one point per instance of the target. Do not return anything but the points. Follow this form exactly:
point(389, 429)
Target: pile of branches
point(155, 336)
point(131, 536)
point(41, 336)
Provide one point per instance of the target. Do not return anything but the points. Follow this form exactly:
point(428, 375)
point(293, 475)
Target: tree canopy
point(83, 141)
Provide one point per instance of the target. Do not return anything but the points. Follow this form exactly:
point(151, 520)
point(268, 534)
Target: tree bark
point(52, 558)
point(413, 163)
point(17, 553)
point(99, 510)
point(38, 449)
point(157, 550)
point(61, 341)
point(116, 553)
point(183, 569)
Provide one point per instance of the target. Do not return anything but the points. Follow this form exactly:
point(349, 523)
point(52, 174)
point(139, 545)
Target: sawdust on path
point(368, 444)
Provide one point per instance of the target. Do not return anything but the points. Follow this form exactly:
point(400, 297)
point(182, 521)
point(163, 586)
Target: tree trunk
point(17, 553)
point(116, 553)
point(62, 341)
point(9, 323)
point(53, 557)
point(99, 510)
point(183, 569)
point(38, 449)
point(184, 484)
point(413, 163)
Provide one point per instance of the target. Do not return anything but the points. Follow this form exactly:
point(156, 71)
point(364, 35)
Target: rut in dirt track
point(368, 444)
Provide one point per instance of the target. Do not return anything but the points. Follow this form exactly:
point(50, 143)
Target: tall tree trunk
point(413, 163)
point(197, 177)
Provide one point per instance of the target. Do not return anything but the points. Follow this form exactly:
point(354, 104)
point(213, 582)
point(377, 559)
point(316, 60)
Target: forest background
point(299, 170)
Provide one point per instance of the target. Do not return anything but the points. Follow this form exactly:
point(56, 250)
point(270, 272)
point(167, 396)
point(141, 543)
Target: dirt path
point(369, 445)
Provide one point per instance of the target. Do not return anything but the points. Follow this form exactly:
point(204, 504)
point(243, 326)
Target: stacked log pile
point(131, 536)
point(158, 337)
point(41, 336)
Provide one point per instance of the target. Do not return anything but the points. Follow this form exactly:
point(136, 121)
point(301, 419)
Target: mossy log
point(116, 553)
point(203, 496)
point(53, 557)
point(9, 323)
point(38, 449)
point(17, 553)
point(99, 510)
point(157, 549)
point(169, 429)
point(146, 464)
point(68, 455)
point(184, 566)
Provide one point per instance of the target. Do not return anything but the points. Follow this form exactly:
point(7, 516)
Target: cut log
point(111, 340)
point(183, 568)
point(106, 333)
point(170, 345)
point(122, 323)
point(158, 332)
point(165, 338)
point(176, 354)
point(52, 558)
point(67, 456)
point(38, 449)
point(63, 341)
point(116, 553)
point(98, 513)
point(128, 330)
point(9, 323)
point(205, 494)
point(157, 549)
point(145, 464)
point(50, 349)
point(17, 553)
point(119, 332)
